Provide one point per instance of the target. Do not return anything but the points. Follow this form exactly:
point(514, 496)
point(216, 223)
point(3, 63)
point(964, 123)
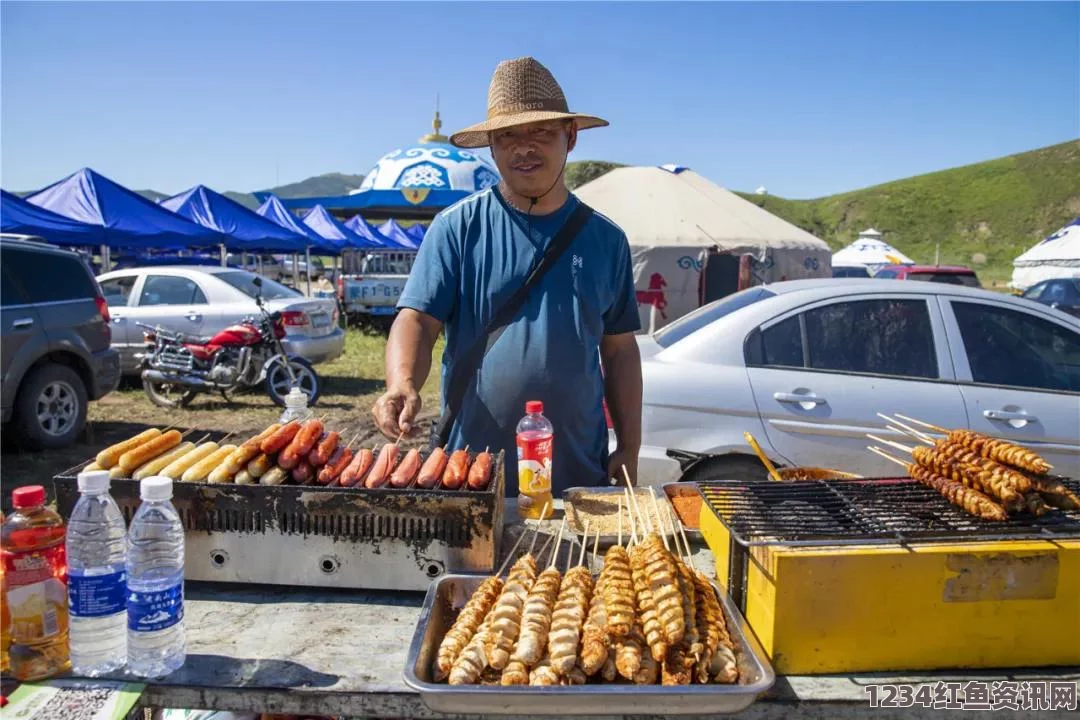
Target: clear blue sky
point(807, 99)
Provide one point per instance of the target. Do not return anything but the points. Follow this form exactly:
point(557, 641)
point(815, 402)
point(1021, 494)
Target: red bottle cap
point(28, 496)
point(534, 407)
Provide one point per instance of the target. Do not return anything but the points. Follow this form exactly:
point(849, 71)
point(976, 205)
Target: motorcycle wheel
point(168, 395)
point(278, 382)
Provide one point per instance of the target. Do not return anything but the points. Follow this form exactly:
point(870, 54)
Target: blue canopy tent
point(23, 218)
point(129, 219)
point(417, 232)
point(244, 230)
point(395, 232)
point(373, 236)
point(272, 209)
point(332, 230)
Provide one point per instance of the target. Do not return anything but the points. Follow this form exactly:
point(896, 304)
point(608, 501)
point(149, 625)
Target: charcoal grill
point(886, 575)
point(317, 536)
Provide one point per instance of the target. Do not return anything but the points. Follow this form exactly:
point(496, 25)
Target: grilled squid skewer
point(466, 625)
point(506, 622)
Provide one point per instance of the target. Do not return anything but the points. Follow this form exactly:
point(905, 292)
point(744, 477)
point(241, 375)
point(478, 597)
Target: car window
point(117, 290)
point(68, 276)
point(965, 279)
point(885, 274)
point(1033, 292)
point(880, 337)
point(706, 314)
point(245, 283)
point(850, 272)
point(1007, 347)
point(1054, 293)
point(10, 290)
point(777, 346)
point(170, 290)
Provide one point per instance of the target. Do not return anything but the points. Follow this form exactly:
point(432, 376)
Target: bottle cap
point(29, 496)
point(94, 481)
point(157, 487)
point(534, 407)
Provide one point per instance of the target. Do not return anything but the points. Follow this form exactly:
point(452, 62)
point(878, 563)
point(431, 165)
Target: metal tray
point(687, 488)
point(450, 593)
point(607, 540)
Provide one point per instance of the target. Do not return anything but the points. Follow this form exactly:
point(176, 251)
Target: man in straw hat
point(578, 317)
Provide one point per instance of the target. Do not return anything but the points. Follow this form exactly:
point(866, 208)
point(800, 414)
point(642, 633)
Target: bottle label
point(534, 464)
point(93, 596)
point(158, 610)
point(36, 593)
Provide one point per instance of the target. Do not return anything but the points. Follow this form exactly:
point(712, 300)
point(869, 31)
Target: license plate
point(320, 320)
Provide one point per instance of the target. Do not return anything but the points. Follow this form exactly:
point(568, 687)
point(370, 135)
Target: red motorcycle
point(177, 366)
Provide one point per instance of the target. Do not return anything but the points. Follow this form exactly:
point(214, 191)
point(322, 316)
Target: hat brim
point(476, 136)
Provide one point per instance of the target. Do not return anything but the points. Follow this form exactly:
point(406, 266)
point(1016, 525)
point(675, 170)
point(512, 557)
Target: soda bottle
point(5, 618)
point(35, 586)
point(97, 583)
point(535, 436)
point(155, 578)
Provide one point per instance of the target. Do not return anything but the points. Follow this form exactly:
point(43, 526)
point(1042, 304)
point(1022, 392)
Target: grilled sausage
point(151, 468)
point(320, 454)
point(280, 438)
point(244, 478)
point(260, 465)
point(456, 468)
point(331, 471)
point(247, 452)
point(303, 473)
point(480, 472)
point(406, 470)
point(179, 466)
point(274, 476)
point(301, 444)
point(384, 465)
point(133, 459)
point(361, 463)
point(432, 469)
point(111, 455)
point(201, 470)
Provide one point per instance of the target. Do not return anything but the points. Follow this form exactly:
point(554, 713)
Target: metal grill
point(892, 510)
point(176, 358)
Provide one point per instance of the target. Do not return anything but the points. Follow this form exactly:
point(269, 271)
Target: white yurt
point(1058, 256)
point(674, 217)
point(870, 251)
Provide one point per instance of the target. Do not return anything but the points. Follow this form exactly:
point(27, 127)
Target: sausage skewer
point(336, 463)
point(480, 471)
point(457, 468)
point(993, 448)
point(973, 501)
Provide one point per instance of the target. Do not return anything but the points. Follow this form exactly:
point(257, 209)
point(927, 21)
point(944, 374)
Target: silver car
point(201, 300)
point(806, 366)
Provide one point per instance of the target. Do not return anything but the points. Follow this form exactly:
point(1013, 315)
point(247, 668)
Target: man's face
point(530, 157)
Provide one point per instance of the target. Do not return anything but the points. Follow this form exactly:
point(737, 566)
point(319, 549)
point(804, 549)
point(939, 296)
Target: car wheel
point(278, 382)
point(168, 395)
point(730, 467)
point(50, 410)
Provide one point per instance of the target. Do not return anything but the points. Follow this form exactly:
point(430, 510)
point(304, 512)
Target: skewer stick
point(890, 443)
point(926, 439)
point(185, 433)
point(545, 547)
point(907, 430)
point(558, 542)
point(620, 521)
point(510, 555)
point(659, 520)
point(226, 437)
point(202, 439)
point(536, 530)
point(682, 532)
point(595, 547)
point(399, 437)
point(354, 437)
point(670, 516)
point(633, 520)
point(584, 544)
point(887, 456)
point(923, 424)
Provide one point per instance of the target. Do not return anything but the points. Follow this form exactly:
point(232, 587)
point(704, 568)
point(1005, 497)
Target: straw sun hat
point(522, 91)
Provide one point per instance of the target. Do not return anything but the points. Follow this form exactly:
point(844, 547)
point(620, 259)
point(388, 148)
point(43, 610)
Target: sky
point(806, 99)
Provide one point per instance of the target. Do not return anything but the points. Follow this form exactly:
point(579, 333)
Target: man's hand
point(616, 461)
point(395, 412)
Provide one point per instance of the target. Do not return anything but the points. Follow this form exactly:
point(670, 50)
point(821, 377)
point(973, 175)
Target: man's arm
point(408, 362)
point(622, 390)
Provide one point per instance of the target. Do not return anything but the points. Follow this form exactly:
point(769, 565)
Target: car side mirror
point(257, 281)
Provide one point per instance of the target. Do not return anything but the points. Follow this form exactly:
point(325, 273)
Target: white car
point(806, 366)
point(201, 300)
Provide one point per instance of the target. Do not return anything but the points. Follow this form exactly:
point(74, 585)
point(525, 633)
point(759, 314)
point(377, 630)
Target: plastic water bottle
point(296, 407)
point(97, 579)
point(535, 445)
point(155, 575)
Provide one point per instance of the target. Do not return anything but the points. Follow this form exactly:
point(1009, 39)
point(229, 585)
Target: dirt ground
point(351, 384)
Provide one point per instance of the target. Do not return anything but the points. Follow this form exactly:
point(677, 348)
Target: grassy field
point(351, 384)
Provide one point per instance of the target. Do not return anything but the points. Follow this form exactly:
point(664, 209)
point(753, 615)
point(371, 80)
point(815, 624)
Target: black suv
point(54, 342)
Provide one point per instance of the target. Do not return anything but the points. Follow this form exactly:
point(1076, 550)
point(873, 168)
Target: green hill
point(983, 215)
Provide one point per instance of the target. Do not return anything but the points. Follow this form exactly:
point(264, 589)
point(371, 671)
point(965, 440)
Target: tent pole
point(221, 251)
point(243, 259)
point(307, 259)
point(105, 260)
point(296, 269)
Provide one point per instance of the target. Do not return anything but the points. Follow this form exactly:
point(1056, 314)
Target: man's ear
point(571, 140)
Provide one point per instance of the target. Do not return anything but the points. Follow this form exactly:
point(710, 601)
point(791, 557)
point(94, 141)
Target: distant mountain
point(320, 185)
point(580, 172)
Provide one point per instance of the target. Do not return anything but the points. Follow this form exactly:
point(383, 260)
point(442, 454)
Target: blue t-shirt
point(474, 255)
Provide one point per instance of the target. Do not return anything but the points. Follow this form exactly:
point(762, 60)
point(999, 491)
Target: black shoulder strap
point(469, 364)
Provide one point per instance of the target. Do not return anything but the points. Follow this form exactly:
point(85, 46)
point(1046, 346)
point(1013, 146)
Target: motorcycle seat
point(195, 339)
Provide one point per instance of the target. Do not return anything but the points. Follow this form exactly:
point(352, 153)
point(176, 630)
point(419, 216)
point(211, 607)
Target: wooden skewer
point(595, 548)
point(399, 437)
point(633, 499)
point(202, 439)
point(558, 542)
point(536, 530)
point(226, 437)
point(890, 443)
point(923, 424)
point(354, 438)
point(925, 439)
point(887, 456)
point(689, 554)
point(907, 430)
point(659, 520)
point(183, 434)
point(633, 523)
point(584, 544)
point(620, 521)
point(545, 547)
point(510, 555)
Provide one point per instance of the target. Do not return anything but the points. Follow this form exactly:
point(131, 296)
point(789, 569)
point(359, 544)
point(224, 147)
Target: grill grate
point(846, 512)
